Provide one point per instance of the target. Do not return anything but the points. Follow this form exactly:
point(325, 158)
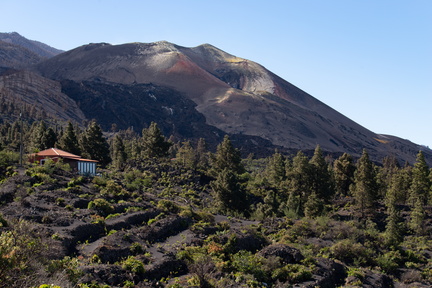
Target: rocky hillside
point(41, 49)
point(38, 97)
point(157, 226)
point(12, 55)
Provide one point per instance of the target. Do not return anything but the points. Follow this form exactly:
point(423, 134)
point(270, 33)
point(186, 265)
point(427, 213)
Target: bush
point(390, 261)
point(246, 262)
point(350, 252)
point(20, 252)
point(102, 206)
point(294, 273)
point(75, 181)
point(3, 222)
point(136, 248)
point(133, 265)
point(67, 265)
point(168, 206)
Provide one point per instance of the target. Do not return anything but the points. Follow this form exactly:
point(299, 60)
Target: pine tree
point(298, 183)
point(275, 170)
point(202, 154)
point(365, 186)
point(321, 180)
point(227, 157)
point(187, 156)
point(37, 135)
point(343, 171)
point(421, 184)
point(49, 139)
point(119, 155)
point(394, 228)
point(95, 145)
point(153, 142)
point(69, 140)
point(417, 217)
point(313, 206)
point(229, 193)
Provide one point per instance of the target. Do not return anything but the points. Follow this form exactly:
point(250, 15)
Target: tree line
point(277, 186)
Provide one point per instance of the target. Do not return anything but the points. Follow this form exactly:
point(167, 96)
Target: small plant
point(102, 206)
point(136, 248)
point(133, 265)
point(350, 252)
point(3, 222)
point(75, 181)
point(356, 272)
point(112, 216)
point(56, 236)
point(128, 284)
point(168, 206)
point(390, 261)
point(60, 201)
point(95, 259)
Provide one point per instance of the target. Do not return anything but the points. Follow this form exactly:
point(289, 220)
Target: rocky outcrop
point(38, 97)
point(286, 253)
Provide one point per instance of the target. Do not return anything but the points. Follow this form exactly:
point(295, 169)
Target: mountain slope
point(235, 95)
point(40, 49)
point(38, 97)
point(15, 56)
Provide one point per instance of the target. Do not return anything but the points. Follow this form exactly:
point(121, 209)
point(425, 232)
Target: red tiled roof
point(55, 152)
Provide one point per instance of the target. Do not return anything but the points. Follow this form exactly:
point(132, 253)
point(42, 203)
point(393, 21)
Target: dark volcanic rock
point(167, 266)
point(288, 254)
point(112, 275)
point(329, 273)
point(372, 279)
point(132, 219)
point(13, 186)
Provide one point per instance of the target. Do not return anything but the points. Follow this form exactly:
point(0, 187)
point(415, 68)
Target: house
point(81, 165)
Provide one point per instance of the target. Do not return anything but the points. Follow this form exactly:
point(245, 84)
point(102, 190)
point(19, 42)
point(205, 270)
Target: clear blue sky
point(369, 59)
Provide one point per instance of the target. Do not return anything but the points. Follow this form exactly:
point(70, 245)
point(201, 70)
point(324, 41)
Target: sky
point(371, 60)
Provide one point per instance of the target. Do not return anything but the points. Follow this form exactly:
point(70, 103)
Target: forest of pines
point(371, 220)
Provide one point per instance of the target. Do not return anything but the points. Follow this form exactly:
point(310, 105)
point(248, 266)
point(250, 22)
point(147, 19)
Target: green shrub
point(19, 247)
point(246, 262)
point(3, 222)
point(168, 206)
point(114, 190)
point(60, 201)
point(294, 273)
point(350, 252)
point(133, 265)
point(102, 206)
point(136, 248)
point(75, 181)
point(99, 181)
point(390, 261)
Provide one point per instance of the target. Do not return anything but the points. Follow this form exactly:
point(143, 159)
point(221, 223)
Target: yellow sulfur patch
point(381, 141)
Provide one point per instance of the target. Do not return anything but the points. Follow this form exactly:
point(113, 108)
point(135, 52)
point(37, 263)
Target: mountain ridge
point(41, 49)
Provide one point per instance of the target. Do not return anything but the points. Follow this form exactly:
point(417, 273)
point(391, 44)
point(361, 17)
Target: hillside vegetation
point(162, 213)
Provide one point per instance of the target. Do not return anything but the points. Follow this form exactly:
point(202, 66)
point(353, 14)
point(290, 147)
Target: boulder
point(289, 255)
